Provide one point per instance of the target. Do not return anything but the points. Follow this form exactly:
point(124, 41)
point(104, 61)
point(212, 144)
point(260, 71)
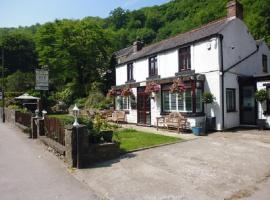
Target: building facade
point(217, 57)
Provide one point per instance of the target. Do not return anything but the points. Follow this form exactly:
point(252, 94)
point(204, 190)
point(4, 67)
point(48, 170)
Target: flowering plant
point(178, 86)
point(111, 93)
point(126, 92)
point(152, 87)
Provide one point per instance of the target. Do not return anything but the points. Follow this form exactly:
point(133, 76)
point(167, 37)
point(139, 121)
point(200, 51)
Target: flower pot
point(197, 131)
point(107, 135)
point(261, 123)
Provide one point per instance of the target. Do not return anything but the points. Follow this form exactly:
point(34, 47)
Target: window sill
point(185, 72)
point(131, 81)
point(186, 114)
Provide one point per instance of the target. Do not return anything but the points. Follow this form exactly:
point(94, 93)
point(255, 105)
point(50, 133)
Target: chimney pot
point(235, 9)
point(137, 46)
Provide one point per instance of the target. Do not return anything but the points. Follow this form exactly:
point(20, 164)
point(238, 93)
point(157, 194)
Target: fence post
point(34, 122)
point(77, 144)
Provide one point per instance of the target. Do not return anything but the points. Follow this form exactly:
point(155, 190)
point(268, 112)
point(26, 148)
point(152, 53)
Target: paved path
point(29, 172)
point(221, 166)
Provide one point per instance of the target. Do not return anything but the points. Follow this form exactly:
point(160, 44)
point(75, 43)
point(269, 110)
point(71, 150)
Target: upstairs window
point(184, 59)
point(153, 67)
point(264, 63)
point(130, 72)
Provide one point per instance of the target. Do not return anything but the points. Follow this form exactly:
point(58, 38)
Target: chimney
point(137, 46)
point(235, 9)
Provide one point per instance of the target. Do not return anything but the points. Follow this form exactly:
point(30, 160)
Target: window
point(184, 59)
point(180, 102)
point(122, 103)
point(264, 63)
point(130, 72)
point(230, 100)
point(153, 67)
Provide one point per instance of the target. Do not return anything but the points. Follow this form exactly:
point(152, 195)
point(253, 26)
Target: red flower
point(126, 92)
point(111, 93)
point(152, 87)
point(178, 86)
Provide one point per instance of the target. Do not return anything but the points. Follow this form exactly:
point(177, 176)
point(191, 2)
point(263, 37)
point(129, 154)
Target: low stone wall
point(83, 153)
point(9, 115)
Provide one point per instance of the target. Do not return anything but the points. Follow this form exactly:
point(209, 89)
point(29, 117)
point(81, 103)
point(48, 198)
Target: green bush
point(261, 95)
point(208, 98)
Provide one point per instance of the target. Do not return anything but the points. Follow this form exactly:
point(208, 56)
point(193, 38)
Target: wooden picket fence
point(23, 118)
point(55, 130)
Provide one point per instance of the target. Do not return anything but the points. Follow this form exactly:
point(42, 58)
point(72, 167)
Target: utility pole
point(3, 92)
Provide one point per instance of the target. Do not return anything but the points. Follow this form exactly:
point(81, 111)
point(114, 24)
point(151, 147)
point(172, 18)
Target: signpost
point(42, 84)
point(42, 79)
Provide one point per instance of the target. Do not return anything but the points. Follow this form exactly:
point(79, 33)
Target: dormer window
point(130, 72)
point(153, 66)
point(184, 59)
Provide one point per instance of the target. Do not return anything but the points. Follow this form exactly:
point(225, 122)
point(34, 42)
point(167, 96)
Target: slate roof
point(204, 31)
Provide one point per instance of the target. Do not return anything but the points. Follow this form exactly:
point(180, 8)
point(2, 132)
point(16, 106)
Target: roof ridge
point(190, 31)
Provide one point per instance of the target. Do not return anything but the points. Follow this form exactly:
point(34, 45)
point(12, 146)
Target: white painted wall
point(238, 44)
point(205, 56)
point(168, 63)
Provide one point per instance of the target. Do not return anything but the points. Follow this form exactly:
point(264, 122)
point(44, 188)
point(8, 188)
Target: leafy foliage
point(79, 52)
point(208, 98)
point(261, 95)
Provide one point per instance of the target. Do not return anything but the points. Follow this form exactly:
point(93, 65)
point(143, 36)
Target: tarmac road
point(29, 172)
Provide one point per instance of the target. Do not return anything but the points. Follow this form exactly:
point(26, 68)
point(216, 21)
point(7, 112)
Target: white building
point(221, 57)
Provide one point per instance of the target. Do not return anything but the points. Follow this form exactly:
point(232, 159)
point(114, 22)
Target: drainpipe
point(222, 80)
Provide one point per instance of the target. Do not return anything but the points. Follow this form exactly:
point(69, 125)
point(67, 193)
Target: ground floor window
point(122, 103)
point(230, 100)
point(175, 102)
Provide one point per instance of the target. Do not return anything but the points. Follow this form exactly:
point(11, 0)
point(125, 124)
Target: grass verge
point(131, 139)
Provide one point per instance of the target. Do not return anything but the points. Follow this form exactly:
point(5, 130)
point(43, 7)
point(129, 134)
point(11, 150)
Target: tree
point(19, 50)
point(118, 17)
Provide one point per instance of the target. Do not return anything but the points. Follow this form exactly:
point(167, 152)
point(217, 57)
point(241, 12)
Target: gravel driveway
point(230, 166)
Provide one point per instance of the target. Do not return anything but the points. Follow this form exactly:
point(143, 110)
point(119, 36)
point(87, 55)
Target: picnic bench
point(173, 120)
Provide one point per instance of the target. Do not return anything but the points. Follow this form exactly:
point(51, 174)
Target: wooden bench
point(117, 116)
point(173, 120)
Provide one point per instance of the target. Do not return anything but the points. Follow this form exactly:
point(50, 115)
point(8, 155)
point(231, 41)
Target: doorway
point(143, 107)
point(248, 111)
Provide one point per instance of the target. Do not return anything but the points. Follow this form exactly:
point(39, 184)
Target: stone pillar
point(40, 128)
point(76, 144)
point(33, 133)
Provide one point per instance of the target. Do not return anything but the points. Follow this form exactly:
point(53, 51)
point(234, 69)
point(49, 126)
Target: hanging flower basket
point(126, 92)
point(152, 88)
point(178, 86)
point(112, 93)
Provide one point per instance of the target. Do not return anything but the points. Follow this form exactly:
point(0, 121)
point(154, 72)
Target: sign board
point(42, 79)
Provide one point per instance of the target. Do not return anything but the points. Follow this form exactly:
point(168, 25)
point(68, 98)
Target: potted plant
point(208, 98)
point(126, 92)
point(261, 96)
point(152, 88)
point(178, 86)
point(103, 129)
point(111, 93)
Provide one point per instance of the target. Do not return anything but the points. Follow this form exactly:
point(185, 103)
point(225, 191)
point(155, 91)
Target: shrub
point(261, 95)
point(208, 98)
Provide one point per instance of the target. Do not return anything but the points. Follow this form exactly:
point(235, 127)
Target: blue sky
point(15, 13)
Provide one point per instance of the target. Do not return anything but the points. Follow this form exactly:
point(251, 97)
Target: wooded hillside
point(78, 52)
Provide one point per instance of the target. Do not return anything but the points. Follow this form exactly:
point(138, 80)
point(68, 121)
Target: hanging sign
point(42, 79)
